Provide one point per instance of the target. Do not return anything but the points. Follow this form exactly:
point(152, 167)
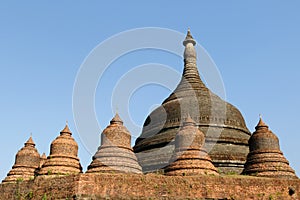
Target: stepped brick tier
point(26, 163)
point(63, 158)
point(115, 153)
point(190, 157)
point(223, 125)
point(265, 158)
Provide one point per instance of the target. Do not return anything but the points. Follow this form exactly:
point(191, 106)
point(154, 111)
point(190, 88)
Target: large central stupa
point(223, 125)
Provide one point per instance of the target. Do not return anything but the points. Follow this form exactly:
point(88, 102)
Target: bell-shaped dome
point(26, 163)
point(116, 134)
point(115, 153)
point(64, 144)
point(265, 158)
point(263, 139)
point(189, 157)
point(223, 125)
point(63, 158)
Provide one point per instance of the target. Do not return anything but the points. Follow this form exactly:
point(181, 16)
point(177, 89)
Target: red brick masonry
point(151, 186)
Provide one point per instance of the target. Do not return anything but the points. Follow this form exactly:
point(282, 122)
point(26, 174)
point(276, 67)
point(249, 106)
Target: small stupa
point(43, 159)
point(26, 163)
point(265, 158)
point(115, 153)
point(190, 158)
point(63, 158)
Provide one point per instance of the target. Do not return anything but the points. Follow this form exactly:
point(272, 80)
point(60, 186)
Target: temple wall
point(151, 186)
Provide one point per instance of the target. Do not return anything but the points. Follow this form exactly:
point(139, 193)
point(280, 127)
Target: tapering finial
point(189, 121)
point(189, 38)
point(66, 129)
point(261, 123)
point(116, 120)
point(43, 156)
point(30, 142)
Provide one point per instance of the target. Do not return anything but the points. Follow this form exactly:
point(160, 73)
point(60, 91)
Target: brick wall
point(151, 186)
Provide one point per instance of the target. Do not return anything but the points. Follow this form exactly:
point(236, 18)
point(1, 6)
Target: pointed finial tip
point(116, 119)
point(66, 129)
point(29, 141)
point(188, 116)
point(189, 38)
point(261, 123)
point(188, 120)
point(43, 156)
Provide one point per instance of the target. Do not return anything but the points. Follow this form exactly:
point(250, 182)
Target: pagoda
point(190, 158)
point(222, 124)
point(63, 158)
point(265, 158)
point(115, 154)
point(26, 164)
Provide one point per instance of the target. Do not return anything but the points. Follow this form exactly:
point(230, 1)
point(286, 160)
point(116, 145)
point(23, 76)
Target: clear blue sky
point(255, 45)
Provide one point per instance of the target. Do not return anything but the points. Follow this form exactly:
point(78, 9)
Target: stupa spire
point(261, 123)
point(29, 142)
point(190, 80)
point(116, 119)
point(189, 38)
point(190, 55)
point(66, 130)
point(189, 121)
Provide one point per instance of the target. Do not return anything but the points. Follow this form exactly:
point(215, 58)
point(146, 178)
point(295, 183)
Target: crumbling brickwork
point(151, 186)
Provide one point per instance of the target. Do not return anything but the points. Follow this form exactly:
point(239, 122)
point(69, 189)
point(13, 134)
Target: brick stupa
point(43, 159)
point(26, 163)
point(115, 153)
point(189, 155)
point(222, 123)
point(265, 158)
point(63, 158)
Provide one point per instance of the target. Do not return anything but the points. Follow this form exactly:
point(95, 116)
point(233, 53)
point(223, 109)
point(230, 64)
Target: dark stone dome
point(223, 125)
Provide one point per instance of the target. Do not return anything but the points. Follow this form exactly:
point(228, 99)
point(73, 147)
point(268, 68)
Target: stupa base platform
point(151, 186)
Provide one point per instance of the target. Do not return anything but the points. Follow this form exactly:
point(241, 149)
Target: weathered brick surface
point(190, 158)
point(26, 163)
point(223, 124)
point(265, 158)
point(42, 187)
point(63, 158)
point(151, 186)
point(115, 153)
